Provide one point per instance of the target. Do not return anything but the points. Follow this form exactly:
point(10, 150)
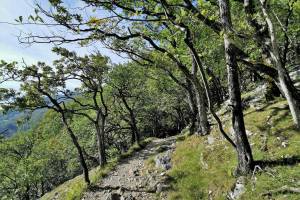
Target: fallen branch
point(283, 189)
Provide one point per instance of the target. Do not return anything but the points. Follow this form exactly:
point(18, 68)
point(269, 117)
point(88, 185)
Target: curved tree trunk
point(286, 85)
point(79, 150)
point(133, 124)
point(99, 125)
point(203, 128)
point(192, 105)
point(245, 159)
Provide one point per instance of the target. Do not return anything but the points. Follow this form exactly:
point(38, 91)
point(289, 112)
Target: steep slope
point(204, 166)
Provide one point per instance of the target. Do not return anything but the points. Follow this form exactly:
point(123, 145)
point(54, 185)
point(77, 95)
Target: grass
point(202, 171)
point(75, 188)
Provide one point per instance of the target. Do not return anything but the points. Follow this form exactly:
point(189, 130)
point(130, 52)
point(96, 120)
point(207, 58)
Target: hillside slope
point(204, 166)
point(127, 177)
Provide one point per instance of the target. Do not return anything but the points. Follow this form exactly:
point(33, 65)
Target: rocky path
point(131, 181)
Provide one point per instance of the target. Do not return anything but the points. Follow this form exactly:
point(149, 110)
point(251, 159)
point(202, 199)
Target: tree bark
point(192, 105)
point(79, 150)
point(202, 128)
point(286, 85)
point(100, 125)
point(245, 159)
point(135, 132)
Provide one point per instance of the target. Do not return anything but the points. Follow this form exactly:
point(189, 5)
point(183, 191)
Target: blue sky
point(11, 50)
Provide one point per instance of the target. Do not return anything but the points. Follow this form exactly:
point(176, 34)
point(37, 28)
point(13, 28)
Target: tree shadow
point(261, 109)
point(275, 110)
point(290, 161)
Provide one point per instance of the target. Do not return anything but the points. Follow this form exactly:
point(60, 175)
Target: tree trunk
point(133, 125)
point(217, 89)
point(192, 105)
point(203, 128)
point(100, 125)
point(286, 85)
point(245, 159)
point(79, 150)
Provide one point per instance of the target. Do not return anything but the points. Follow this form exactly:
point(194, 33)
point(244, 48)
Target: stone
point(284, 144)
point(163, 160)
point(162, 148)
point(210, 139)
point(163, 173)
point(120, 190)
point(160, 187)
point(133, 172)
point(238, 190)
point(114, 196)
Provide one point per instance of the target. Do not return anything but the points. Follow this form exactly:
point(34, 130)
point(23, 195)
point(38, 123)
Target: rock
point(163, 173)
point(114, 196)
point(295, 76)
point(284, 144)
point(210, 139)
point(128, 197)
point(122, 198)
point(133, 172)
point(238, 190)
point(120, 190)
point(163, 160)
point(160, 187)
point(152, 186)
point(162, 148)
point(249, 133)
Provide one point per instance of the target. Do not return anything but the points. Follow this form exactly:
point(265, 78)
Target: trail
point(130, 181)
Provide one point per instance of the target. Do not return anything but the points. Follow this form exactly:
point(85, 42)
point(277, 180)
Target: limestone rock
point(238, 190)
point(163, 160)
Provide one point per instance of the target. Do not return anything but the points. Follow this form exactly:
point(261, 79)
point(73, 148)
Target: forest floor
point(131, 179)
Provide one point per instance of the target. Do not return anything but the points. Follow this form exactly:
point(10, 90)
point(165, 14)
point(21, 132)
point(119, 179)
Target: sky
point(12, 50)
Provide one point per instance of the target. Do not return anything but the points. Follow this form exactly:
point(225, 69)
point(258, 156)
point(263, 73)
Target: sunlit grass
point(202, 171)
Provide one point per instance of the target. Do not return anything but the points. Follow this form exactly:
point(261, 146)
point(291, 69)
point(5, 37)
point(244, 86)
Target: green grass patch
point(74, 188)
point(283, 151)
point(197, 169)
point(202, 171)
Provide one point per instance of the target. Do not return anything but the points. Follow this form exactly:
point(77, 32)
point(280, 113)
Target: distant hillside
point(9, 122)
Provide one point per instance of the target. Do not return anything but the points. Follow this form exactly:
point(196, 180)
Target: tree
point(127, 86)
point(92, 73)
point(40, 89)
point(286, 85)
point(245, 159)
